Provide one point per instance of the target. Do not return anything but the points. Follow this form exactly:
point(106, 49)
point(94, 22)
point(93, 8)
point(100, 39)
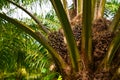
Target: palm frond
point(73, 50)
point(114, 46)
point(86, 46)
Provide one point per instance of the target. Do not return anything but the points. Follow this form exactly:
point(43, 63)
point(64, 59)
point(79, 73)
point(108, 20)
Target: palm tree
point(86, 49)
point(11, 50)
point(21, 57)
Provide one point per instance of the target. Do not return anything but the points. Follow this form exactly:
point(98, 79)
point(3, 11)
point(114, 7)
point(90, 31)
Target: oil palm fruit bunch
point(56, 40)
